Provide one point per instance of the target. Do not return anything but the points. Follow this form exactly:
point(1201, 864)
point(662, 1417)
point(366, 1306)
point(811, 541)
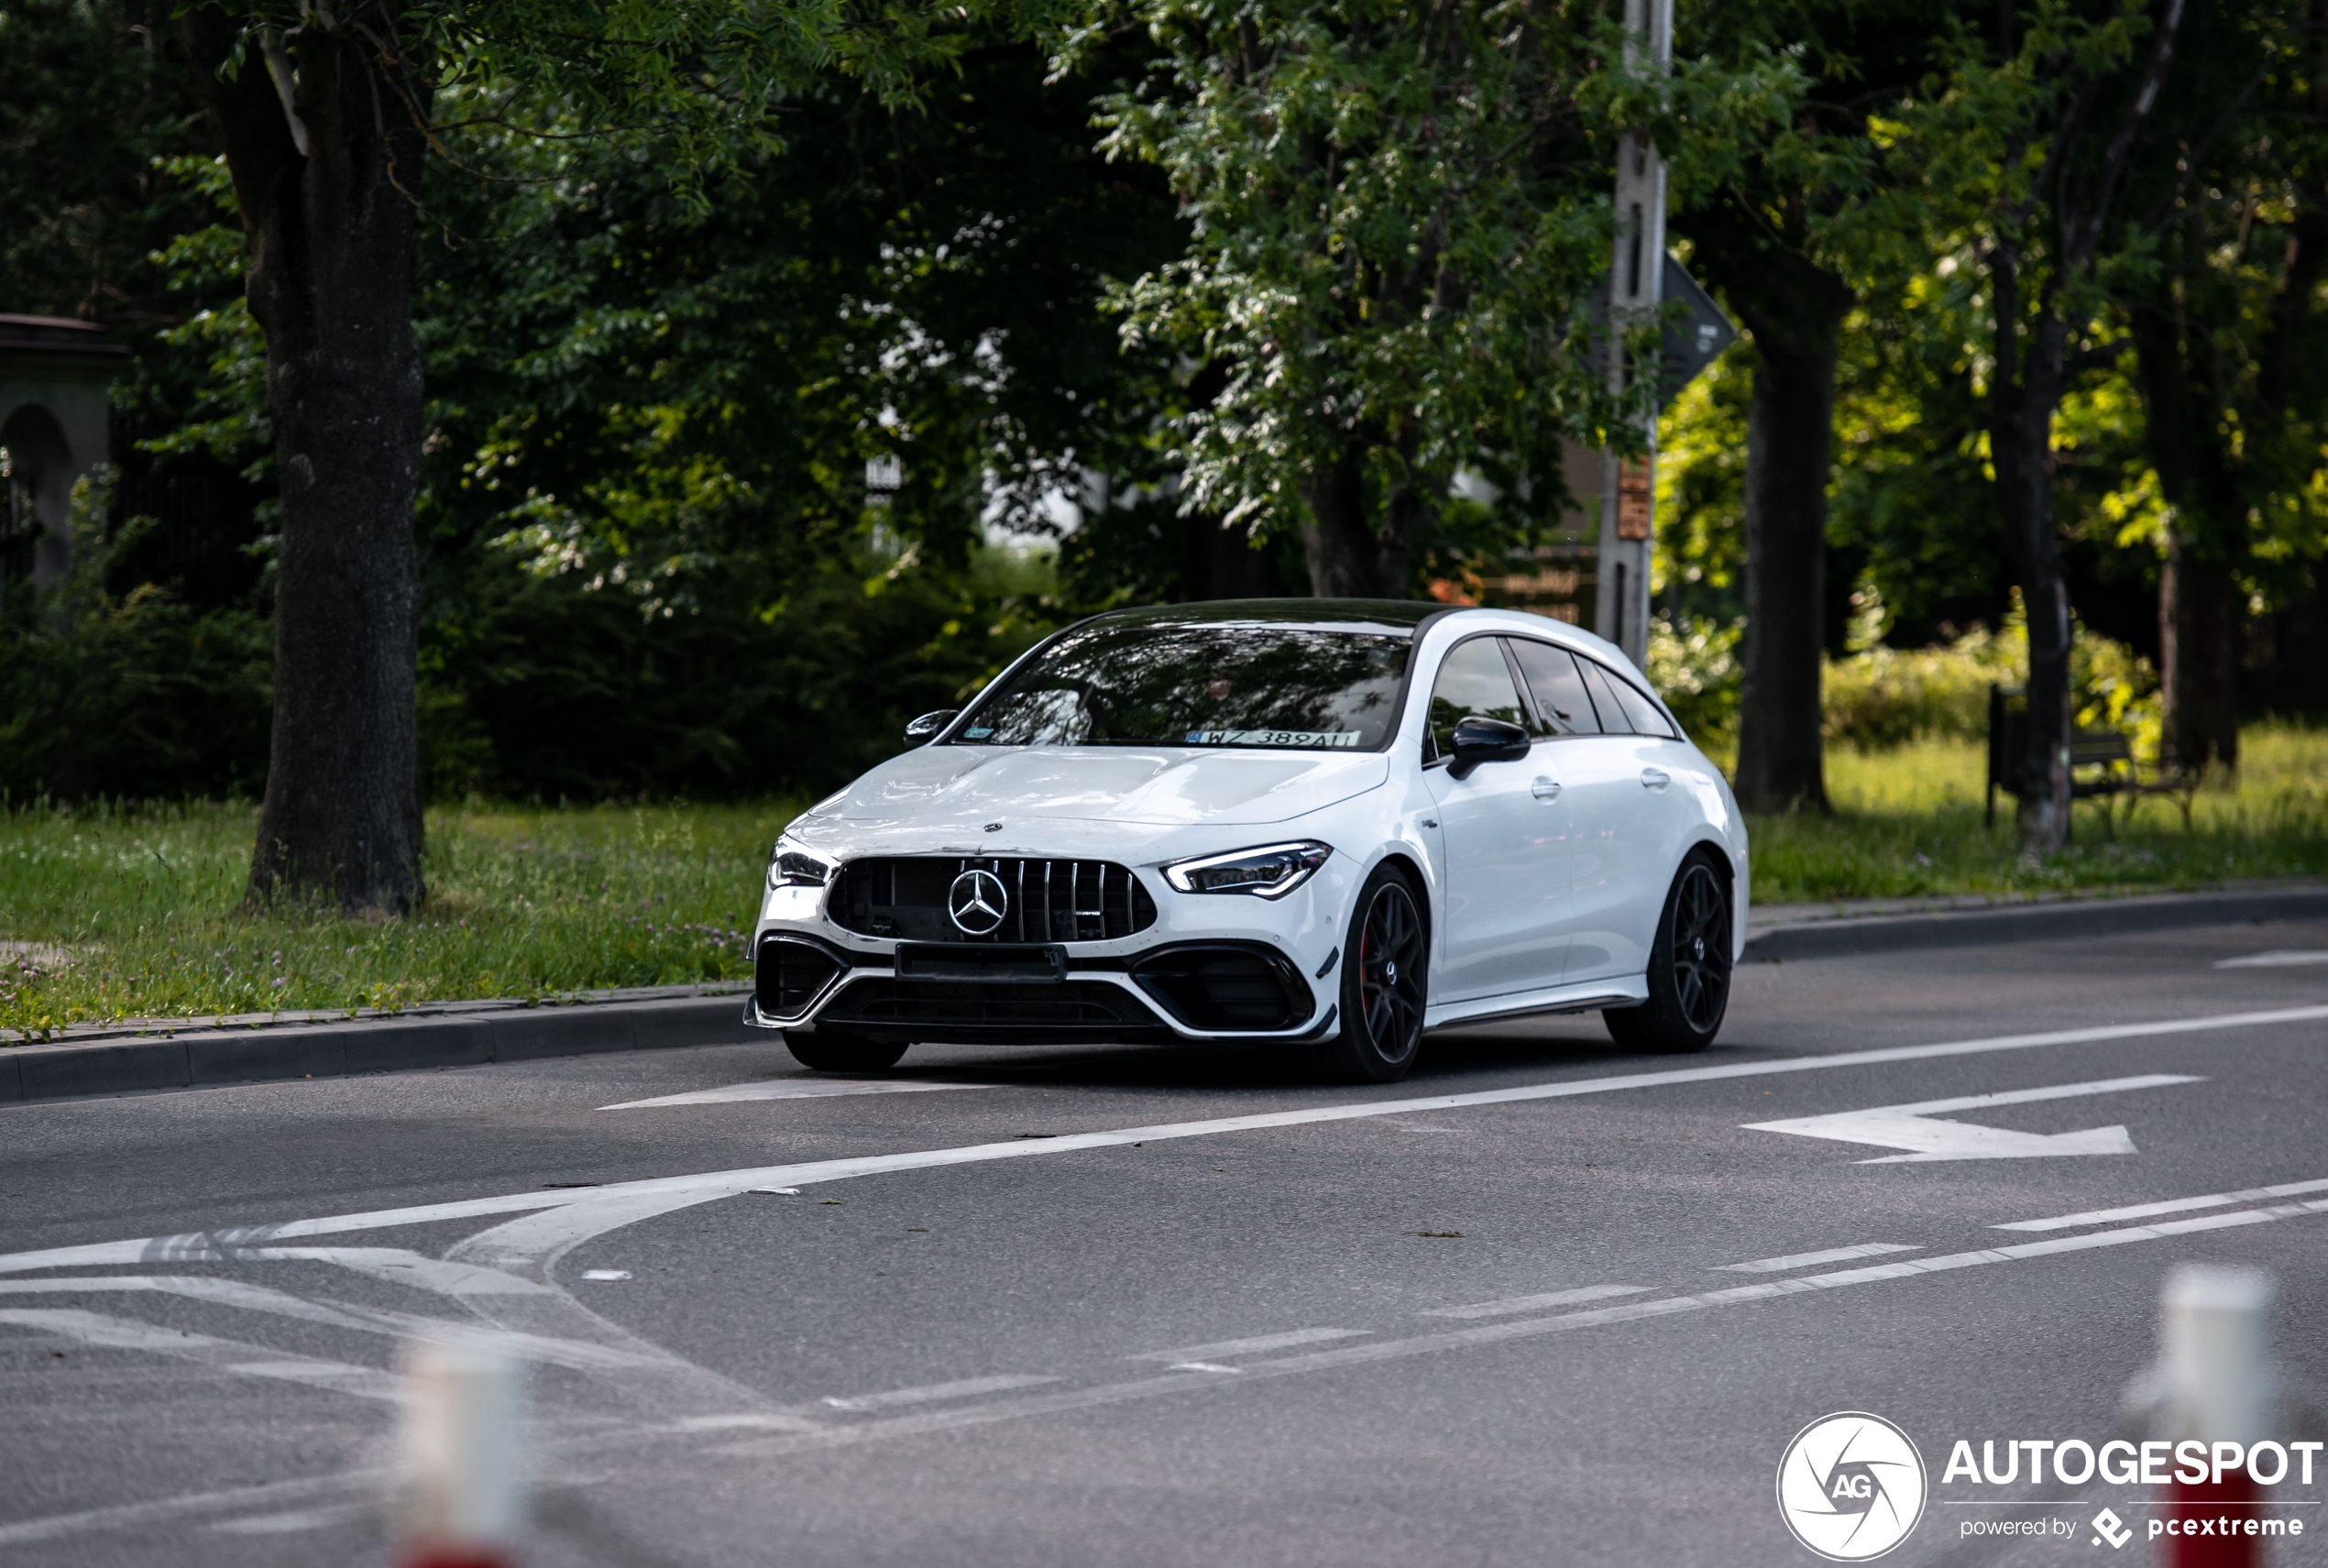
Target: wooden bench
point(2101, 764)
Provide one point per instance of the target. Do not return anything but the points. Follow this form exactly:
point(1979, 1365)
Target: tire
point(1385, 980)
point(829, 1050)
point(1689, 965)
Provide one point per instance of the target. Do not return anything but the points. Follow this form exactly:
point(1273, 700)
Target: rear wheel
point(831, 1050)
point(1384, 984)
point(1689, 967)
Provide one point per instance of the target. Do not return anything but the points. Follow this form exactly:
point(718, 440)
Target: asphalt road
point(1133, 1307)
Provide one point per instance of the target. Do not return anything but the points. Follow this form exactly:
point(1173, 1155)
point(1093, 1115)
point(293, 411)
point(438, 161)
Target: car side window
point(1604, 701)
point(1623, 709)
point(1474, 679)
point(1562, 707)
point(1642, 716)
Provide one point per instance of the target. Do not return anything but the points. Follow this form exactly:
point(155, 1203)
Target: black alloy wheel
point(831, 1050)
point(1385, 975)
point(1689, 964)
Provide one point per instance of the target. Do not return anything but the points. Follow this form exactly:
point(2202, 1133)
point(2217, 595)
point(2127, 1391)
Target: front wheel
point(1688, 968)
point(829, 1050)
point(1384, 982)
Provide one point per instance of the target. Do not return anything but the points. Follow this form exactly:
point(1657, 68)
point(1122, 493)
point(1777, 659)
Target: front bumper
point(1034, 994)
point(1210, 967)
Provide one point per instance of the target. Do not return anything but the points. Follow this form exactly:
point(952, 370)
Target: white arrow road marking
point(1913, 1127)
point(795, 1089)
point(2170, 1206)
point(595, 1211)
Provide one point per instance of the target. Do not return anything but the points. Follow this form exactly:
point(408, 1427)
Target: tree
point(1399, 218)
point(328, 119)
point(1785, 218)
point(2023, 145)
point(2228, 338)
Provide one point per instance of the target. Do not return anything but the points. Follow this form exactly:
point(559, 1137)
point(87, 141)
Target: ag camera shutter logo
point(1851, 1487)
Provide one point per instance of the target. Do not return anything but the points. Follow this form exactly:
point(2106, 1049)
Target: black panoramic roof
point(1386, 615)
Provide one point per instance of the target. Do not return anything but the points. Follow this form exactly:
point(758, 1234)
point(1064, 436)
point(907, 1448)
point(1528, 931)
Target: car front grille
point(1048, 900)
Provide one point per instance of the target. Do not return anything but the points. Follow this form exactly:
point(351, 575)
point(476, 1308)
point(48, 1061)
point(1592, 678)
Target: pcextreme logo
point(1851, 1487)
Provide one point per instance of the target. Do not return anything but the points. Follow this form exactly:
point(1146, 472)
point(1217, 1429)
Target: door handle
point(1544, 788)
point(1655, 778)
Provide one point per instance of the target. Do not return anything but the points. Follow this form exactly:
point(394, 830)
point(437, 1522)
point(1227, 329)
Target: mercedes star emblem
point(976, 902)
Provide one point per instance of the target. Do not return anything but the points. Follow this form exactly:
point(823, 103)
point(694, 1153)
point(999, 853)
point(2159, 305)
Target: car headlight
point(1269, 871)
point(793, 864)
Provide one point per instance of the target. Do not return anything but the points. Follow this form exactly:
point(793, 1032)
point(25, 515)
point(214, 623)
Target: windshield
point(1275, 686)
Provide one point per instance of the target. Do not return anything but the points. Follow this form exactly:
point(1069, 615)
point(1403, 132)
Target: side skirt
point(1592, 995)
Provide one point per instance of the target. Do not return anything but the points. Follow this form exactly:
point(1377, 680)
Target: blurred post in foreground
point(2216, 1388)
point(462, 1505)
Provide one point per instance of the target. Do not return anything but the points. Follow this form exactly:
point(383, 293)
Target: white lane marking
point(932, 1393)
point(399, 1267)
point(606, 1274)
point(1512, 1304)
point(610, 1208)
point(574, 1354)
point(2170, 1206)
point(297, 1521)
point(1201, 1367)
point(1259, 1342)
point(750, 1420)
point(1913, 1127)
point(794, 1089)
point(923, 1424)
point(1804, 1260)
point(222, 1354)
point(2278, 958)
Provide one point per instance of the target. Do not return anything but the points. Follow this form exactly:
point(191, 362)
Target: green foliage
point(1693, 665)
point(1399, 215)
point(128, 695)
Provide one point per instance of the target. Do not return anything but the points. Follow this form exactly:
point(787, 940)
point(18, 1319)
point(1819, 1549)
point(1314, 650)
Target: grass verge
point(126, 913)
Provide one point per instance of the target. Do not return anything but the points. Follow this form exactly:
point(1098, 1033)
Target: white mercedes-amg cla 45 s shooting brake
point(1325, 826)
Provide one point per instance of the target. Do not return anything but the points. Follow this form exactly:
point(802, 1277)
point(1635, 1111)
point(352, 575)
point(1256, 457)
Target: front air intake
point(788, 976)
point(1223, 987)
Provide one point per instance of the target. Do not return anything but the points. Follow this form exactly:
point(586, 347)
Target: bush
point(134, 696)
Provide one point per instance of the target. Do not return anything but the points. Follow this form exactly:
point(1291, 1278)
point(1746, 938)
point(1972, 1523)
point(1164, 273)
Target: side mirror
point(923, 731)
point(1481, 740)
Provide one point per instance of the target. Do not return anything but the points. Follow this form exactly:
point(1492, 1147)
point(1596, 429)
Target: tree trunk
point(2198, 658)
point(2206, 528)
point(2020, 444)
point(1350, 558)
point(326, 155)
point(1789, 426)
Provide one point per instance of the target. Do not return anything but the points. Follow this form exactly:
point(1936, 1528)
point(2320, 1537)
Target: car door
point(1625, 823)
point(1506, 899)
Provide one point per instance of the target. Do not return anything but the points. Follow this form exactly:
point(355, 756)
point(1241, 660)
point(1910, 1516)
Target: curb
point(204, 1057)
point(1841, 936)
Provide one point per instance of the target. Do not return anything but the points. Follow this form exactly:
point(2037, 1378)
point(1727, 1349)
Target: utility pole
point(1636, 290)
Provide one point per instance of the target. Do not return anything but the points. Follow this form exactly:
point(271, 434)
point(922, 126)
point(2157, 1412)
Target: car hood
point(941, 787)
